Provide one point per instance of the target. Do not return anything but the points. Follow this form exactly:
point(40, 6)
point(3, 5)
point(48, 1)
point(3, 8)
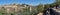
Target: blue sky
point(32, 2)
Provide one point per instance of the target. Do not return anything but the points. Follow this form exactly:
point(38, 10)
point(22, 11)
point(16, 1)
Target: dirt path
point(40, 14)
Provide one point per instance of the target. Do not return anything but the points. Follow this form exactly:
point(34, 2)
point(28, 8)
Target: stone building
point(18, 8)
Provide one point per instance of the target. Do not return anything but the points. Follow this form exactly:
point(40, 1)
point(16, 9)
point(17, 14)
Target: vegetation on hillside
point(40, 8)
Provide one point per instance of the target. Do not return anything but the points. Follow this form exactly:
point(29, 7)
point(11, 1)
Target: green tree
point(40, 8)
point(46, 6)
point(55, 3)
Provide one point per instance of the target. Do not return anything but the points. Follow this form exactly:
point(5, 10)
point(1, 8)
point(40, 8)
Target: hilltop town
point(17, 8)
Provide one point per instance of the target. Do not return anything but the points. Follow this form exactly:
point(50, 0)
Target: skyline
point(32, 2)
